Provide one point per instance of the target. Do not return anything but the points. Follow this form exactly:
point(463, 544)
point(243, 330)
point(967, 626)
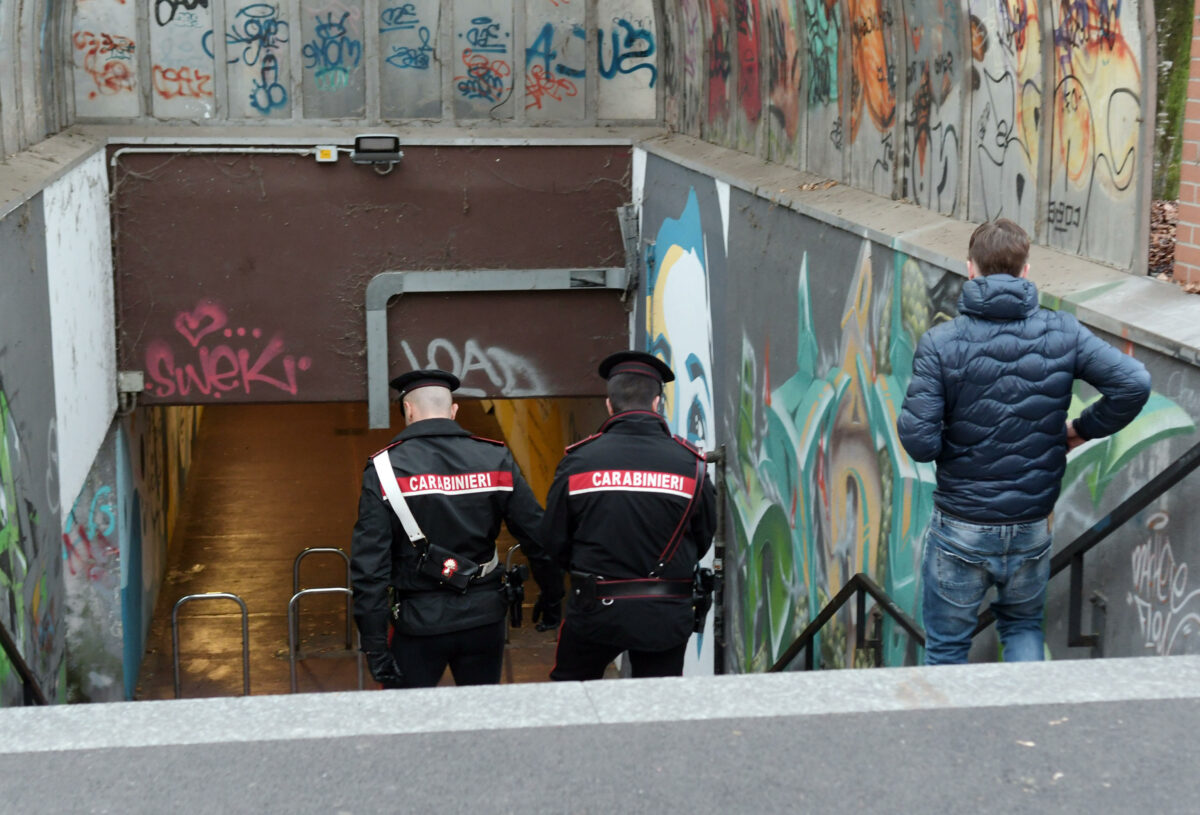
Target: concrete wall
point(791, 325)
point(367, 60)
point(1032, 111)
point(35, 87)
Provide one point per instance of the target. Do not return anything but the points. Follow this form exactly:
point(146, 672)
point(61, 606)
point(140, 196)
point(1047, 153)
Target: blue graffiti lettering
point(259, 28)
point(485, 35)
point(542, 49)
point(624, 53)
point(398, 18)
point(267, 94)
point(333, 54)
point(418, 58)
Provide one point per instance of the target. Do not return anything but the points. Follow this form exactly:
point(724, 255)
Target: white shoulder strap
point(391, 491)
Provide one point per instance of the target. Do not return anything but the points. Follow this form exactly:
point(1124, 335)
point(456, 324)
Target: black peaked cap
point(636, 362)
point(406, 383)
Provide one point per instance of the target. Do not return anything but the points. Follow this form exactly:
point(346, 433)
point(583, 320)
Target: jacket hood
point(998, 297)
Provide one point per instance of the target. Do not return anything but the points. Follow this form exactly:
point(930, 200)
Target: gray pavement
point(1100, 736)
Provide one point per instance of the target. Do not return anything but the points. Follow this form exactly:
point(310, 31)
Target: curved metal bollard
point(213, 595)
point(294, 631)
point(316, 550)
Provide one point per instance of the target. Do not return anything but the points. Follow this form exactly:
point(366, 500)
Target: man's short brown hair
point(999, 247)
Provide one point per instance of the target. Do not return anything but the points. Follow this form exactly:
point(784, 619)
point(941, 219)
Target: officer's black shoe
point(546, 615)
point(384, 669)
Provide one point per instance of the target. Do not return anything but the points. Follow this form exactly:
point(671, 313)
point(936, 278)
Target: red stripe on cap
point(636, 368)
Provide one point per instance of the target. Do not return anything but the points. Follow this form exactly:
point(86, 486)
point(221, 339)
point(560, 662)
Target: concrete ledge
point(541, 705)
point(1149, 312)
point(25, 174)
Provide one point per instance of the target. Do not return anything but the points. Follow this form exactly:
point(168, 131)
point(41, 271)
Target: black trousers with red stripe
point(580, 658)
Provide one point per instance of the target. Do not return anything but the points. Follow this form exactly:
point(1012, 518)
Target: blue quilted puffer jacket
point(989, 395)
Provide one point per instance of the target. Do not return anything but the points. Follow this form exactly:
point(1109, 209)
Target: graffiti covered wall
point(938, 102)
point(548, 61)
point(810, 332)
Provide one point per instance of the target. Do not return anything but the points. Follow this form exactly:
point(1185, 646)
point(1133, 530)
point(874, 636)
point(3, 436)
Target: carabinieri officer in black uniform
point(449, 604)
point(630, 514)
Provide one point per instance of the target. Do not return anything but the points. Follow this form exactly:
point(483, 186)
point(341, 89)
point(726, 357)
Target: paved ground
point(1097, 736)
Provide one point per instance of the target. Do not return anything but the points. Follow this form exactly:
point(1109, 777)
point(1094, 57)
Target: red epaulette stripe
point(581, 442)
point(389, 447)
point(489, 441)
point(693, 449)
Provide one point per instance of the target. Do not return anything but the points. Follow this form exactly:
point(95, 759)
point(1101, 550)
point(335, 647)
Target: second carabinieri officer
point(630, 514)
point(448, 607)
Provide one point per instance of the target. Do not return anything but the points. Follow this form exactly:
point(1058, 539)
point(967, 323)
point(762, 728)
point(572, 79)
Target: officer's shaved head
point(428, 403)
point(632, 392)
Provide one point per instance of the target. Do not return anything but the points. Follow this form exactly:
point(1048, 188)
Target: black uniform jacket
point(616, 500)
point(458, 487)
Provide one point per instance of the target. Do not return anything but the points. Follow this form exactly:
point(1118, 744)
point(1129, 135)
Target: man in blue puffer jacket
point(988, 402)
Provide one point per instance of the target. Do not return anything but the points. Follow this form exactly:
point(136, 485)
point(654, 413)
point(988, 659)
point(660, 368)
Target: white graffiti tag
point(512, 375)
point(1166, 613)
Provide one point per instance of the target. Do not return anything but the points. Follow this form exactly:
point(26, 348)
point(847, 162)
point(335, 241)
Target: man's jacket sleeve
point(371, 564)
point(923, 412)
point(1123, 382)
point(523, 516)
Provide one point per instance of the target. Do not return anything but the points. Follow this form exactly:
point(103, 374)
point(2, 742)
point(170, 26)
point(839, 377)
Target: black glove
point(384, 669)
point(546, 615)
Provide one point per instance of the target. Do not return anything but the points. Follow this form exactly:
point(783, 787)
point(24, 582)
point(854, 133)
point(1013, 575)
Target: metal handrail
point(213, 595)
point(316, 550)
point(1071, 556)
point(294, 630)
point(860, 585)
point(32, 691)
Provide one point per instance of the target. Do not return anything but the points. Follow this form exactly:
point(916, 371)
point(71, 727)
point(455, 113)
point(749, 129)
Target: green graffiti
point(822, 487)
point(12, 558)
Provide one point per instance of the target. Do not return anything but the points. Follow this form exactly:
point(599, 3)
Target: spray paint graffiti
point(692, 51)
point(173, 83)
point(678, 324)
point(262, 33)
point(547, 76)
point(1167, 608)
point(108, 59)
point(332, 53)
point(1006, 47)
point(825, 136)
point(223, 367)
point(873, 93)
point(932, 149)
point(720, 61)
point(165, 11)
point(746, 16)
point(487, 69)
point(627, 48)
point(406, 18)
point(783, 76)
point(505, 372)
point(1097, 113)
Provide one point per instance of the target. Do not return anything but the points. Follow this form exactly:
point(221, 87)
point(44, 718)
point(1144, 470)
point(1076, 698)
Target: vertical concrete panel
point(825, 40)
point(31, 583)
point(627, 34)
point(694, 70)
point(31, 64)
point(748, 22)
point(872, 115)
point(258, 42)
point(80, 280)
point(411, 81)
point(719, 34)
point(92, 576)
point(933, 145)
point(181, 60)
point(106, 59)
point(784, 77)
point(555, 61)
point(1096, 118)
point(10, 124)
point(1006, 110)
point(481, 61)
point(334, 78)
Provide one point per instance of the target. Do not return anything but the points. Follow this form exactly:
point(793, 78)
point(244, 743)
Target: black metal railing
point(1071, 556)
point(858, 586)
point(33, 691)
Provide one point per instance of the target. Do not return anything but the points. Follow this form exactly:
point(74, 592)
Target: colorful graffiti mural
point(783, 81)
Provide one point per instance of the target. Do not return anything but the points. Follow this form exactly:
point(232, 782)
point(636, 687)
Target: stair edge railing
point(860, 585)
point(31, 688)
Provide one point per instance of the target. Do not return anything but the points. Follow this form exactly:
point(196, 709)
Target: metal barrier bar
point(316, 550)
point(213, 595)
point(294, 630)
point(718, 459)
point(32, 691)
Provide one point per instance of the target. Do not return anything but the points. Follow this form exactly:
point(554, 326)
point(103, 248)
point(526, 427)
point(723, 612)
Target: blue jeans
point(962, 561)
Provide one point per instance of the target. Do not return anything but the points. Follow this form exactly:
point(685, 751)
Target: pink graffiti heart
point(203, 320)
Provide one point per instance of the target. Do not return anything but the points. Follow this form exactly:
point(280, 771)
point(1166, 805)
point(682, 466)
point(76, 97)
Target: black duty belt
point(588, 587)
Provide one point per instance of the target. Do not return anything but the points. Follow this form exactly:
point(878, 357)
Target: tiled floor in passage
point(268, 481)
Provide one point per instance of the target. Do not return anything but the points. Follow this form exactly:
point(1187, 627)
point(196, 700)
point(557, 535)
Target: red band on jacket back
point(457, 484)
point(631, 481)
